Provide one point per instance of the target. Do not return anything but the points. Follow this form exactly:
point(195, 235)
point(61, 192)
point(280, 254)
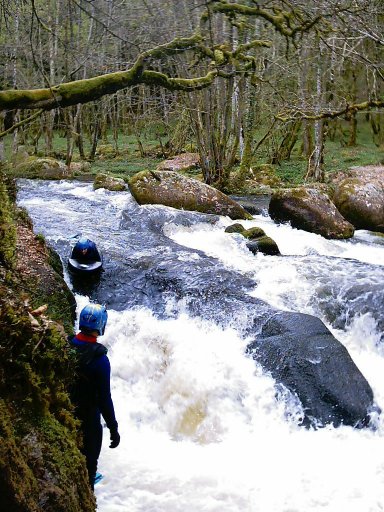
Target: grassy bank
point(127, 155)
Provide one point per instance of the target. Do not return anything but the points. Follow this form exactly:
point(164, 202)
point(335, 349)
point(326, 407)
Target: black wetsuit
point(91, 395)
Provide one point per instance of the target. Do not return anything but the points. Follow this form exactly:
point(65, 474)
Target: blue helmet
point(85, 243)
point(94, 318)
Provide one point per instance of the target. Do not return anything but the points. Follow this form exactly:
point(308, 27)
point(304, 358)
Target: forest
point(292, 86)
point(246, 359)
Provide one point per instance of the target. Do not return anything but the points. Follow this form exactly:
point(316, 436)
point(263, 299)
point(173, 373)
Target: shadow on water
point(87, 284)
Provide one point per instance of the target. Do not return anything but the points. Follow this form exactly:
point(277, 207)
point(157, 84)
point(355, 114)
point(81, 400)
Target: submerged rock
point(301, 353)
point(172, 189)
point(258, 241)
point(263, 244)
point(310, 210)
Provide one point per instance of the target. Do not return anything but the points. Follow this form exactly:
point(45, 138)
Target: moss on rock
point(172, 189)
point(7, 228)
point(109, 183)
point(253, 233)
point(44, 168)
point(41, 467)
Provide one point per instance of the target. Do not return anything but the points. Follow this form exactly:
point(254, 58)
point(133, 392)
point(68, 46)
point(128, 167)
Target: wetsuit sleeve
point(103, 373)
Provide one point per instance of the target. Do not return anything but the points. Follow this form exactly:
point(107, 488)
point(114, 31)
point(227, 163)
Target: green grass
point(128, 160)
point(337, 157)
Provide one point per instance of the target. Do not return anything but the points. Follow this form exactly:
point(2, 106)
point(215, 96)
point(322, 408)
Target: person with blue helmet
point(85, 251)
point(91, 391)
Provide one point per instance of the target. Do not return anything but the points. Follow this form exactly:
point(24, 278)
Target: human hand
point(115, 438)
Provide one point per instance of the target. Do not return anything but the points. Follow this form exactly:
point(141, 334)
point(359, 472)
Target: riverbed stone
point(235, 228)
point(172, 189)
point(258, 241)
point(303, 355)
point(263, 244)
point(310, 210)
point(109, 183)
point(359, 196)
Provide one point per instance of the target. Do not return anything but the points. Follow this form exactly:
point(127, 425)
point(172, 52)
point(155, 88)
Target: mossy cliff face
point(41, 467)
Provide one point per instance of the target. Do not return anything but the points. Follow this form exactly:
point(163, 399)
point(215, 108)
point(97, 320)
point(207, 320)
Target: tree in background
point(90, 68)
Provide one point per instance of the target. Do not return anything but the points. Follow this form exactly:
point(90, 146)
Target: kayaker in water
point(85, 251)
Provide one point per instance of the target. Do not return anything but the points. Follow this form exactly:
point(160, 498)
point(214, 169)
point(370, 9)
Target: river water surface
point(202, 429)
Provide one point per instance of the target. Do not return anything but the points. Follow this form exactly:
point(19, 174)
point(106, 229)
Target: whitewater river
point(201, 427)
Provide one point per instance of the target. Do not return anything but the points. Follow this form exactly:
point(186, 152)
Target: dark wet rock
point(172, 189)
point(310, 210)
point(301, 353)
point(359, 196)
point(258, 241)
point(263, 244)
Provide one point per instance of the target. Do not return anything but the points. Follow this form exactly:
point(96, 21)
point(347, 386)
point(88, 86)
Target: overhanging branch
point(330, 114)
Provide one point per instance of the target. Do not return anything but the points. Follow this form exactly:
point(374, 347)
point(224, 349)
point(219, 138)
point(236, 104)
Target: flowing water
point(201, 427)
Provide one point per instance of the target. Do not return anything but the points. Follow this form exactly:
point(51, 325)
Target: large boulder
point(301, 353)
point(309, 210)
point(172, 189)
point(45, 168)
point(359, 196)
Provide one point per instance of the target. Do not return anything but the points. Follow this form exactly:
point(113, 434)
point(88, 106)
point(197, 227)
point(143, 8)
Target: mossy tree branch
point(90, 89)
point(330, 114)
point(288, 23)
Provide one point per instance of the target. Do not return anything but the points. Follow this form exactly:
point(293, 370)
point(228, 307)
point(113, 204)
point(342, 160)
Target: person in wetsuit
point(91, 392)
point(85, 251)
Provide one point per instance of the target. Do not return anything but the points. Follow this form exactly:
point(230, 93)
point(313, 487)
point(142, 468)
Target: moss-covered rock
point(263, 244)
point(253, 233)
point(172, 189)
point(235, 228)
point(41, 467)
point(109, 183)
point(309, 210)
point(45, 168)
point(258, 241)
point(7, 228)
point(40, 276)
point(359, 196)
point(106, 151)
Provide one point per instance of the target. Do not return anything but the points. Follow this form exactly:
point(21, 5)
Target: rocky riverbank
point(41, 467)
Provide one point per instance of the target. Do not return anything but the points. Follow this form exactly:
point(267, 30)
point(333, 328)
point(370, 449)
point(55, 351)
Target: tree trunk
point(353, 120)
point(303, 78)
point(315, 168)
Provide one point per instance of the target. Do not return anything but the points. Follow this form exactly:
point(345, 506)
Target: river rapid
point(202, 427)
